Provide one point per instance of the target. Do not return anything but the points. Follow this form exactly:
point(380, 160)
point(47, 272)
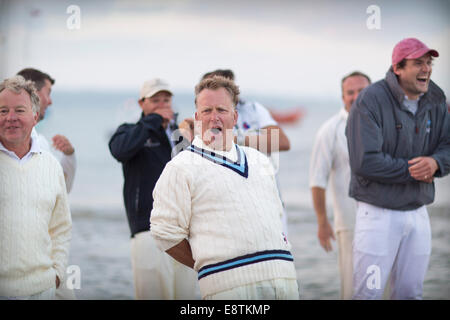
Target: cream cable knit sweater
point(223, 215)
point(35, 225)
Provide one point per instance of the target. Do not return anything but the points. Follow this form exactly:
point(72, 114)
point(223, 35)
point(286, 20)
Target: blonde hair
point(17, 84)
point(217, 82)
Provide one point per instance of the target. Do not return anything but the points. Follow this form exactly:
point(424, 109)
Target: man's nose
point(11, 116)
point(426, 67)
point(214, 115)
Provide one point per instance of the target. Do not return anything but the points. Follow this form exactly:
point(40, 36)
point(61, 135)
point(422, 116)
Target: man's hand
point(63, 144)
point(325, 231)
point(325, 234)
point(165, 112)
point(423, 168)
point(182, 253)
point(186, 128)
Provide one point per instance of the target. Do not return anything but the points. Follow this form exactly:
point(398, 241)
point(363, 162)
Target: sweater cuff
point(165, 244)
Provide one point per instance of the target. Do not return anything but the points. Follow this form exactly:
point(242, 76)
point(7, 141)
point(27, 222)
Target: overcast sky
point(297, 48)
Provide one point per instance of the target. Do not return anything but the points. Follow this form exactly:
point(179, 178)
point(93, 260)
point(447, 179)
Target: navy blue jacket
point(143, 149)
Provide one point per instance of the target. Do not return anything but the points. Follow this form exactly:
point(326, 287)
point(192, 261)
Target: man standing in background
point(43, 83)
point(329, 164)
point(144, 148)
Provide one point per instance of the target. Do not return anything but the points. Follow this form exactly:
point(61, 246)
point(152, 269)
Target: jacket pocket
point(372, 230)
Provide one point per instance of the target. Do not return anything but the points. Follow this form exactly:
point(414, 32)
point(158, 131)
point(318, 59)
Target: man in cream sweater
point(217, 209)
point(35, 224)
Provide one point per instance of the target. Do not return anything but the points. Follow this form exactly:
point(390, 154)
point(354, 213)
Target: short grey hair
point(17, 84)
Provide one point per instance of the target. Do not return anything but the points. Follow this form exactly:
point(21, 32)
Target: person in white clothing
point(43, 83)
point(35, 222)
point(255, 128)
point(217, 208)
point(330, 164)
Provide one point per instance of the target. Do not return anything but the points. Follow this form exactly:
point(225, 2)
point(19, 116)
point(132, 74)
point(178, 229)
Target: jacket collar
point(399, 94)
point(394, 86)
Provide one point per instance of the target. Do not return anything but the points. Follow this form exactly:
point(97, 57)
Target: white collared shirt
point(35, 148)
point(330, 164)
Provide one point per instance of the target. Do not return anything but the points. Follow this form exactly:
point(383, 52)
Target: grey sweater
point(382, 135)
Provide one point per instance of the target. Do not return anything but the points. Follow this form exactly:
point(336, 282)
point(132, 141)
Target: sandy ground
point(101, 248)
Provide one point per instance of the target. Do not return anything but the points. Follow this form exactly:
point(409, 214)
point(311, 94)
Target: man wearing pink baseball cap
point(398, 135)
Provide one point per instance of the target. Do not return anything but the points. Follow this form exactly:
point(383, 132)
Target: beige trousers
point(157, 276)
point(345, 248)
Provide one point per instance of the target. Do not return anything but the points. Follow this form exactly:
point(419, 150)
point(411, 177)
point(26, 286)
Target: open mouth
point(422, 80)
point(216, 130)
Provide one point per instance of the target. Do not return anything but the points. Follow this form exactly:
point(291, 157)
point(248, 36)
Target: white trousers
point(157, 276)
point(390, 241)
point(276, 289)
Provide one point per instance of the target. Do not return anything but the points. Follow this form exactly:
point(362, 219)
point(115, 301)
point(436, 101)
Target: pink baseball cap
point(410, 48)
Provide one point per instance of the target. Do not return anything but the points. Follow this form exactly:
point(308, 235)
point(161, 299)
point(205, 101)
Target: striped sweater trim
point(245, 260)
point(240, 166)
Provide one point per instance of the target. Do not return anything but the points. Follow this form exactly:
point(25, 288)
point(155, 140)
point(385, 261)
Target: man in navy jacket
point(144, 148)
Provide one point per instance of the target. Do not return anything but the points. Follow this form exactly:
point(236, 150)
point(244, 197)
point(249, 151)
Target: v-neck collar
point(239, 166)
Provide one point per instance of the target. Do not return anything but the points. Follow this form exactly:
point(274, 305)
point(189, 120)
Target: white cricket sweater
point(35, 224)
point(223, 215)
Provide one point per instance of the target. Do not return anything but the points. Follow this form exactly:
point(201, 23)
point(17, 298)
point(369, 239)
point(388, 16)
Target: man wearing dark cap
point(398, 135)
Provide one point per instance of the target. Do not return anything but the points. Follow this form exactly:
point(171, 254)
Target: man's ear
point(396, 69)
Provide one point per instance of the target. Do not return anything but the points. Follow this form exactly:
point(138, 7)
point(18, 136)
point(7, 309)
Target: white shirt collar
point(35, 148)
point(343, 113)
point(232, 154)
